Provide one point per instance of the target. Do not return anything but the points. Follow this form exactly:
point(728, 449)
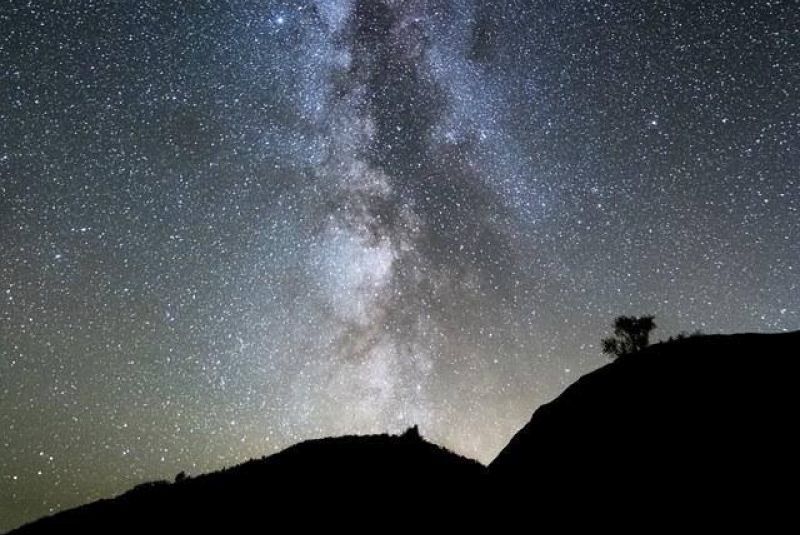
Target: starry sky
point(226, 227)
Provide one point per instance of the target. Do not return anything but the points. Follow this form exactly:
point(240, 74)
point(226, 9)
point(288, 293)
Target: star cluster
point(227, 227)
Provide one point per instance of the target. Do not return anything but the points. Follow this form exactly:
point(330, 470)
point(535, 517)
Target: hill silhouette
point(343, 480)
point(702, 421)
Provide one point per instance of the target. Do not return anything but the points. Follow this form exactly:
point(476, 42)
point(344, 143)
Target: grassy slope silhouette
point(707, 414)
point(696, 422)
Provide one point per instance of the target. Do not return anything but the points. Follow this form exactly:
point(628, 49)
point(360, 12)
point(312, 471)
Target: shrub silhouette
point(631, 334)
point(683, 335)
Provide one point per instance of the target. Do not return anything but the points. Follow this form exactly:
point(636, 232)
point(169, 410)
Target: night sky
point(226, 227)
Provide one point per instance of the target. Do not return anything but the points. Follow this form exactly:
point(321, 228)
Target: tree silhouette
point(631, 334)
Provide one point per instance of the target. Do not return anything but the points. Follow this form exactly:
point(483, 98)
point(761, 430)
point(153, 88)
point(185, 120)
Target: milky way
point(229, 227)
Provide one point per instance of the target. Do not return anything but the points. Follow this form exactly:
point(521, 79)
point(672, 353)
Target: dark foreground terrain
point(701, 425)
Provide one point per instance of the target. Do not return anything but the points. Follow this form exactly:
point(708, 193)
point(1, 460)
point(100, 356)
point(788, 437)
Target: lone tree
point(631, 334)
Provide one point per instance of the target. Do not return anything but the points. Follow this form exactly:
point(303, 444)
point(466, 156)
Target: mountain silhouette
point(698, 423)
point(318, 483)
